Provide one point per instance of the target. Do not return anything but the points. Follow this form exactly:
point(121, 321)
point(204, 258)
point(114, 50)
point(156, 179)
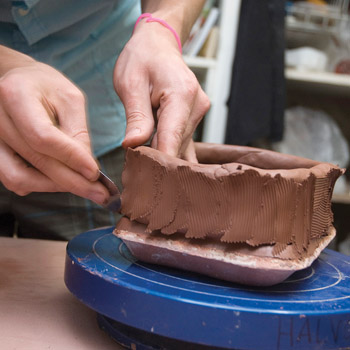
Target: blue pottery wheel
point(145, 306)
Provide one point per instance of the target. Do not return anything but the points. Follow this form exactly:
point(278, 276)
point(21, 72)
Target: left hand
point(151, 75)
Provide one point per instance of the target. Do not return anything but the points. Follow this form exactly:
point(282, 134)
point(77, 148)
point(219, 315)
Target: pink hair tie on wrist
point(162, 22)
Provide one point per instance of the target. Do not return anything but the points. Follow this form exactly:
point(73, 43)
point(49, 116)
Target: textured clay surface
point(235, 195)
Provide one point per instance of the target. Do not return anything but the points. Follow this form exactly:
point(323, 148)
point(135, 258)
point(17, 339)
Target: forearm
point(151, 74)
point(180, 14)
point(10, 59)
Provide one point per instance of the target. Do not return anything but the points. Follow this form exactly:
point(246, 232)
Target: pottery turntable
point(144, 306)
point(243, 224)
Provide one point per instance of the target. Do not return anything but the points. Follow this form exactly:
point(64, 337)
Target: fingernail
point(98, 197)
point(91, 175)
point(133, 132)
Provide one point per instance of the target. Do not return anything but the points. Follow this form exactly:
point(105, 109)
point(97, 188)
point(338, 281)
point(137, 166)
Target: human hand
point(44, 142)
point(150, 75)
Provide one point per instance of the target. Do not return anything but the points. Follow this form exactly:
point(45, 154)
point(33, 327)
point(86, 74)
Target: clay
point(235, 195)
point(237, 263)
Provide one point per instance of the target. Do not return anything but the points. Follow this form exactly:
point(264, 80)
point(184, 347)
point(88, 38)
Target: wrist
point(175, 19)
point(11, 59)
point(147, 19)
point(180, 14)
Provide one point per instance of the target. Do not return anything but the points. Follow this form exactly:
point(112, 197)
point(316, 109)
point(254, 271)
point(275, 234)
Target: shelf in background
point(200, 62)
point(322, 81)
point(341, 198)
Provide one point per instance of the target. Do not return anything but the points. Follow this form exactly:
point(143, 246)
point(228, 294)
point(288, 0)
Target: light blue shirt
point(82, 39)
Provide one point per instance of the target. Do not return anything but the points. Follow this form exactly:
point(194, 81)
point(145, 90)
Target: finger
point(66, 178)
point(18, 177)
point(172, 117)
point(135, 96)
point(71, 181)
point(200, 108)
point(178, 117)
point(63, 176)
point(154, 143)
point(190, 153)
point(175, 94)
point(67, 145)
point(72, 116)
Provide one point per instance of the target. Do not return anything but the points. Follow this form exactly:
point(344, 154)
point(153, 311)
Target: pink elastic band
point(165, 24)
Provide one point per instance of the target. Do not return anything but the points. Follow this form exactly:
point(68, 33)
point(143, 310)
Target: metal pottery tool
point(144, 306)
point(114, 203)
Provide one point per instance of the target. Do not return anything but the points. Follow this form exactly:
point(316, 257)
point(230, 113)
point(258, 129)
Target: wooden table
point(36, 309)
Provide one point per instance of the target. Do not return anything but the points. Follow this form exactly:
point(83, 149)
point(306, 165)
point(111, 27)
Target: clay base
point(239, 263)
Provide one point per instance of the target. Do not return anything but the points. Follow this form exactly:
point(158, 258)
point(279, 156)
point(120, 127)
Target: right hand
point(151, 75)
point(44, 141)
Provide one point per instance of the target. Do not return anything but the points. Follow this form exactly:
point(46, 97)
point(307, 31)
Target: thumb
point(139, 117)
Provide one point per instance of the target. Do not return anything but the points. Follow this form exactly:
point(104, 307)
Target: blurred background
point(278, 77)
